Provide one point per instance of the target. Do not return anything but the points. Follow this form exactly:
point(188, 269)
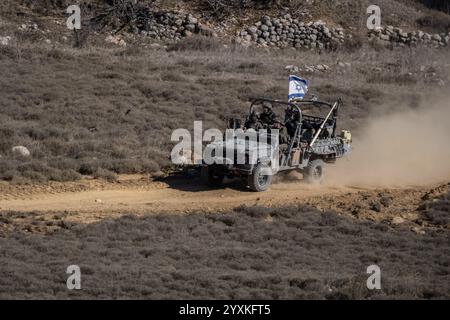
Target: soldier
point(268, 117)
point(282, 132)
point(270, 121)
point(253, 122)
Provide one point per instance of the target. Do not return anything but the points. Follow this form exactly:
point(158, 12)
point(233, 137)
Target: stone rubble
point(308, 68)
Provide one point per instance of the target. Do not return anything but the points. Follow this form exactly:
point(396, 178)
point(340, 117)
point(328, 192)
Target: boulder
point(21, 151)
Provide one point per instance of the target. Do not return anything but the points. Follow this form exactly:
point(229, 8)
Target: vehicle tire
point(314, 172)
point(211, 176)
point(258, 181)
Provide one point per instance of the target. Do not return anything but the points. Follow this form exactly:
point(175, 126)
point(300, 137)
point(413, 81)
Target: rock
point(187, 33)
point(21, 151)
point(190, 27)
point(4, 41)
point(384, 37)
point(252, 29)
point(398, 220)
point(320, 67)
point(191, 20)
point(261, 41)
point(264, 28)
point(436, 37)
point(418, 230)
point(98, 200)
point(386, 201)
point(376, 206)
point(292, 68)
point(115, 40)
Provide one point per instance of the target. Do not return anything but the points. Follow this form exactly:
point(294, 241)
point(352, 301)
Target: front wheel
point(211, 176)
point(314, 172)
point(261, 178)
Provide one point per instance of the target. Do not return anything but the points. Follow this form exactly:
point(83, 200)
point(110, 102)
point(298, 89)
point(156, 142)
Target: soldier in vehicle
point(253, 122)
point(271, 121)
point(268, 117)
point(308, 133)
point(282, 132)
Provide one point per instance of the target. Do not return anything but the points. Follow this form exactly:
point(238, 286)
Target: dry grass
point(113, 110)
point(103, 110)
point(290, 253)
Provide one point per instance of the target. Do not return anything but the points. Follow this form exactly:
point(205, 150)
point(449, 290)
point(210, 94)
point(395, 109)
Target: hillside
point(86, 125)
point(98, 104)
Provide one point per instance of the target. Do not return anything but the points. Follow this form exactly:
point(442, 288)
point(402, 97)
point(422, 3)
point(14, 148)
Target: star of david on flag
point(297, 88)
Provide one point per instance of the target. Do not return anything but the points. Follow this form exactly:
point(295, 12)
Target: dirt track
point(139, 194)
point(93, 200)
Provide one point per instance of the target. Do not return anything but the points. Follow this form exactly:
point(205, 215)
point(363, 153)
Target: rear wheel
point(261, 178)
point(314, 172)
point(212, 176)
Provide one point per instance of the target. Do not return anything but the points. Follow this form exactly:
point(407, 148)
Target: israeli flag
point(297, 88)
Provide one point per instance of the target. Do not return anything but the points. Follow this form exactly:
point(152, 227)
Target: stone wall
point(398, 37)
point(171, 26)
point(288, 32)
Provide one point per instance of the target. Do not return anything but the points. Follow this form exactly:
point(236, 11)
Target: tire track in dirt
point(89, 201)
point(138, 195)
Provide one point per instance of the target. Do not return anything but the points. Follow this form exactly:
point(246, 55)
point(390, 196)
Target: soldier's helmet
point(267, 105)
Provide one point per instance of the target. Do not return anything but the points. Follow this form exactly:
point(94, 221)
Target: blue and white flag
point(297, 88)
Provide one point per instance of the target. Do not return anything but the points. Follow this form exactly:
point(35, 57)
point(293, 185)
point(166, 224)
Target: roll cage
point(311, 121)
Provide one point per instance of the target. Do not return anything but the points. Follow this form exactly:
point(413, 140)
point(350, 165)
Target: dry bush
point(435, 21)
point(299, 253)
point(79, 111)
point(437, 5)
point(437, 211)
point(196, 43)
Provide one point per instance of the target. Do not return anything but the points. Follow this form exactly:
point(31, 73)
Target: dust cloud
point(399, 149)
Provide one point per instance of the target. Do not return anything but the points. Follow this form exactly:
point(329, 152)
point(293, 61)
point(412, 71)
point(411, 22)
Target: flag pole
point(322, 125)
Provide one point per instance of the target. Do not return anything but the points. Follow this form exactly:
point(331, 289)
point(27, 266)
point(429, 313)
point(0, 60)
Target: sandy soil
point(93, 200)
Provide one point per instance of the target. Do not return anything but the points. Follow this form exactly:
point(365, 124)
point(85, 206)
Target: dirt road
point(138, 194)
point(93, 200)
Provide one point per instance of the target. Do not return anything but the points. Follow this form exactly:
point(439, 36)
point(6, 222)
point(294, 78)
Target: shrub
point(196, 43)
point(105, 174)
